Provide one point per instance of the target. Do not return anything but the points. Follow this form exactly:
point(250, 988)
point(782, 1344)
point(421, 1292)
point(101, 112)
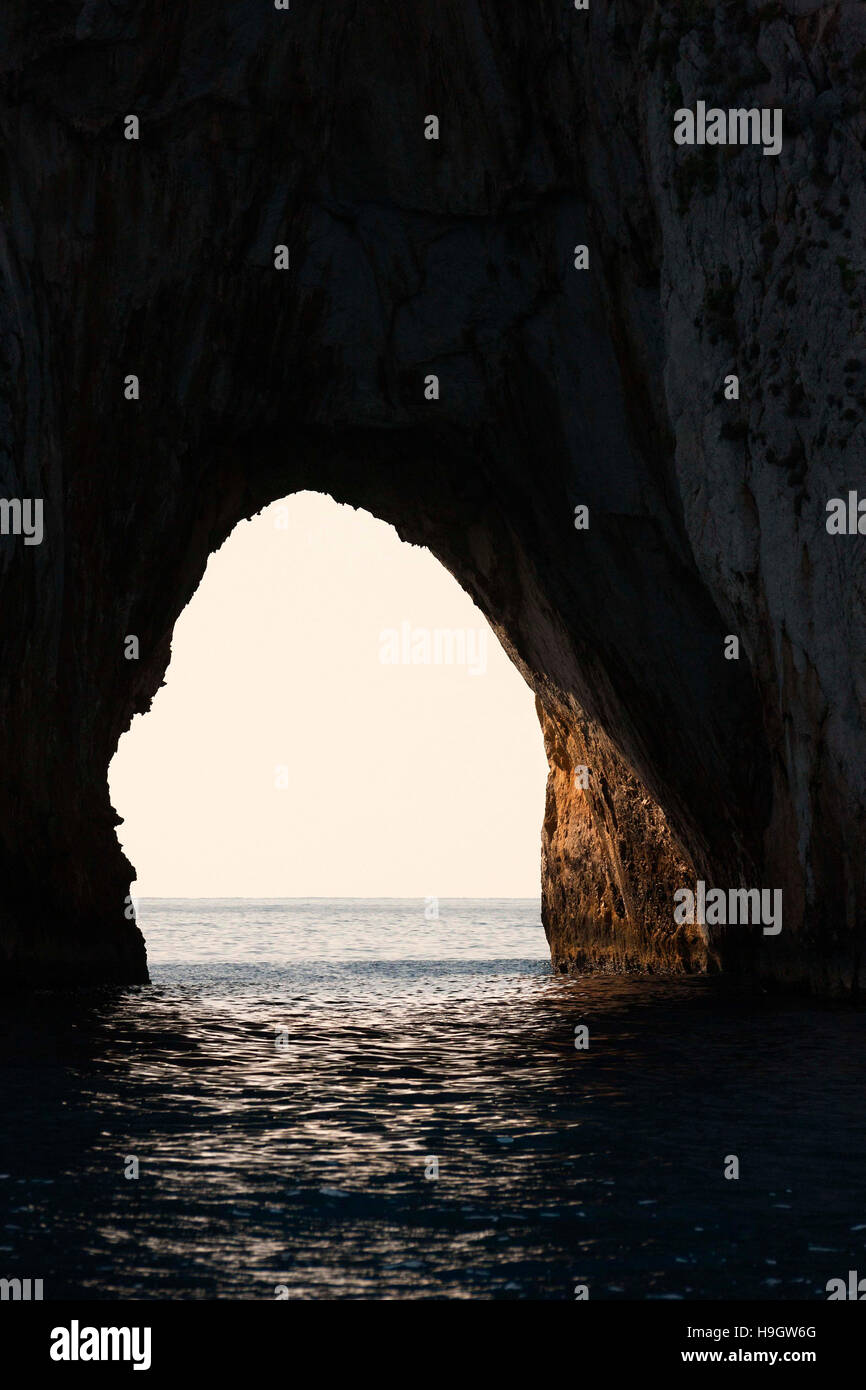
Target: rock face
point(559, 388)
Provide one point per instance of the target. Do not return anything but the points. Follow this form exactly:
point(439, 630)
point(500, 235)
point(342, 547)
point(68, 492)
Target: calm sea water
point(294, 1065)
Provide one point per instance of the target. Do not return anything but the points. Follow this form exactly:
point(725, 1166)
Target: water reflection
point(286, 1075)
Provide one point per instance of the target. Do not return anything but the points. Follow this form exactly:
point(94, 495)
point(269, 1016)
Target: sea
point(399, 1099)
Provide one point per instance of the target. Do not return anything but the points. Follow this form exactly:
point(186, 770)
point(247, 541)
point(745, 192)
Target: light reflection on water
point(304, 1165)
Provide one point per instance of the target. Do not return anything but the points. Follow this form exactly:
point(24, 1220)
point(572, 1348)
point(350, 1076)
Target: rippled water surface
point(294, 1065)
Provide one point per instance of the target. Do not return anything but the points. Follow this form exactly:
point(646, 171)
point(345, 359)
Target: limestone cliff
point(558, 388)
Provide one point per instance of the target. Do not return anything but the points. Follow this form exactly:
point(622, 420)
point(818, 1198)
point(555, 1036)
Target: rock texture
point(558, 387)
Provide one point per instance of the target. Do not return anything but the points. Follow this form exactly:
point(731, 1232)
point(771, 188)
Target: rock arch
point(557, 388)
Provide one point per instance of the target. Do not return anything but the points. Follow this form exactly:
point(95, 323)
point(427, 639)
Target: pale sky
point(297, 751)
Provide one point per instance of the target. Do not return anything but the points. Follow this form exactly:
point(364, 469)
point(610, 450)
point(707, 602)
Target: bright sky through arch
point(403, 779)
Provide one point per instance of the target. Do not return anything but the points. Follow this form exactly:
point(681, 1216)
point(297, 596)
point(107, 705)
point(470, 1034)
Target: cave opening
point(337, 721)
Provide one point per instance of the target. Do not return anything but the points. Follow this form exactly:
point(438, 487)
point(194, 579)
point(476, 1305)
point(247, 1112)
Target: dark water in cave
point(294, 1065)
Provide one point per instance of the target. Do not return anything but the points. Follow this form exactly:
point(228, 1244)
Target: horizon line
point(335, 898)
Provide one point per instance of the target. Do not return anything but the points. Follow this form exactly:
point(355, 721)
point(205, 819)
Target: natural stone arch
point(557, 387)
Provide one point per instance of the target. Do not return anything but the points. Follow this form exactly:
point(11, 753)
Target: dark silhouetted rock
point(558, 388)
